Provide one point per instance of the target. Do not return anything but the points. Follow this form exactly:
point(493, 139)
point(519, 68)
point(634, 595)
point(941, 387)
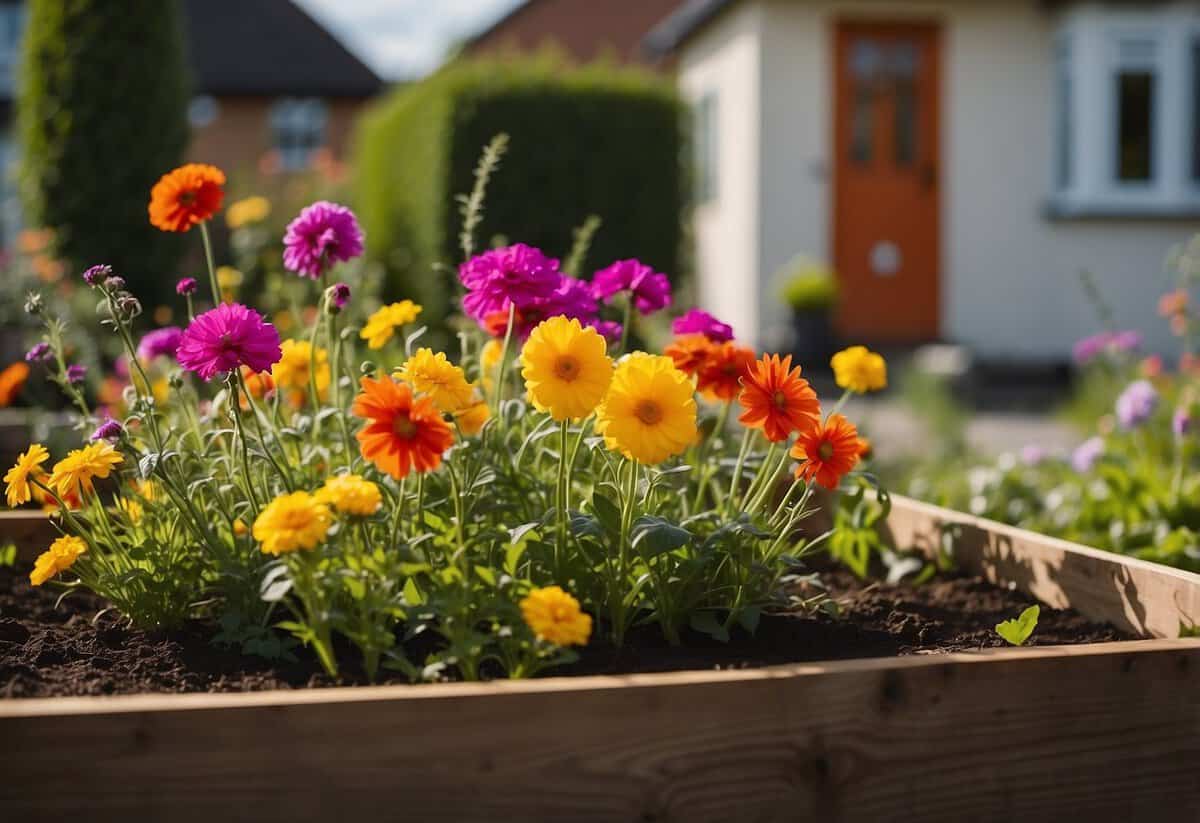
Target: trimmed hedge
point(586, 140)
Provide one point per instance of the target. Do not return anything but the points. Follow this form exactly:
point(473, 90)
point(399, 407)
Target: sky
point(402, 39)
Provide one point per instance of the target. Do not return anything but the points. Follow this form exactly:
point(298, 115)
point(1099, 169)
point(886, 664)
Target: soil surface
point(48, 650)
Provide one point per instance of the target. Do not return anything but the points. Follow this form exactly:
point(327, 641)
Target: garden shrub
point(615, 134)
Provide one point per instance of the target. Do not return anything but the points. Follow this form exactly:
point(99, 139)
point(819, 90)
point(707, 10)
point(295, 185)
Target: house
point(958, 162)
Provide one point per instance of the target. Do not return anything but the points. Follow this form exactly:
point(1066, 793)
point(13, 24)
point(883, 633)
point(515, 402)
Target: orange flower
point(12, 380)
point(721, 375)
point(1172, 303)
point(777, 399)
point(690, 352)
point(865, 449)
point(258, 384)
point(186, 196)
point(828, 452)
point(402, 432)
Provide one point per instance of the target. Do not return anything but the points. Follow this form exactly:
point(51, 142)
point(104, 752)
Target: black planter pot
point(813, 339)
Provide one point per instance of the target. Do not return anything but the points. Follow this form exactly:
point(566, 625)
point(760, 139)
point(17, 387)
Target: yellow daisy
point(18, 488)
point(860, 370)
point(470, 419)
point(61, 555)
point(382, 324)
point(350, 494)
point(555, 616)
point(649, 413)
point(75, 472)
point(291, 372)
point(434, 375)
point(247, 210)
point(566, 368)
point(292, 522)
point(131, 509)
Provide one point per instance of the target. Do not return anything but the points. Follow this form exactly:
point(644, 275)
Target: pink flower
point(649, 290)
point(186, 286)
point(701, 322)
point(231, 335)
point(519, 275)
point(162, 341)
point(324, 233)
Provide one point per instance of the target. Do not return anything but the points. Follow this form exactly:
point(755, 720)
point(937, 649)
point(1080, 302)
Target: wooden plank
point(1144, 598)
point(29, 529)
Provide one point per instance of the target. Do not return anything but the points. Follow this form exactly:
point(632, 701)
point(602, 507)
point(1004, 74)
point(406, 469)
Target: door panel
point(886, 238)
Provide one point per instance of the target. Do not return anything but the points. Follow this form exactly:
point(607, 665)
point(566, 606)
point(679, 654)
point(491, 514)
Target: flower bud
point(367, 368)
point(34, 303)
point(95, 275)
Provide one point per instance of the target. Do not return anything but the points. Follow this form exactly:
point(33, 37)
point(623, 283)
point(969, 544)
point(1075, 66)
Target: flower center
point(649, 412)
point(566, 368)
point(226, 341)
point(187, 198)
point(780, 400)
point(825, 451)
point(403, 426)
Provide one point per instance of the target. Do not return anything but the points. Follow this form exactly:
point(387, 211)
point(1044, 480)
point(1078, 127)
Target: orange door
point(886, 164)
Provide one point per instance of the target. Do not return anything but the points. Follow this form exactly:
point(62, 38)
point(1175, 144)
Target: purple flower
point(516, 275)
point(160, 342)
point(121, 367)
point(186, 286)
point(649, 290)
point(96, 275)
point(339, 295)
point(1125, 342)
point(108, 430)
point(114, 283)
point(1181, 422)
point(324, 233)
point(1119, 342)
point(76, 373)
point(231, 335)
point(610, 330)
point(1086, 454)
point(39, 353)
point(1136, 404)
point(701, 322)
point(1032, 454)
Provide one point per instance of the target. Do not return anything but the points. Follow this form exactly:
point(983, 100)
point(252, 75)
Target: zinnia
point(351, 494)
point(701, 322)
point(187, 196)
point(292, 522)
point(324, 233)
point(828, 451)
point(61, 555)
point(777, 399)
point(162, 342)
point(291, 371)
point(566, 368)
point(720, 376)
point(229, 336)
point(434, 375)
point(381, 325)
point(859, 370)
point(649, 413)
point(17, 486)
point(402, 432)
point(555, 617)
point(649, 290)
point(516, 275)
point(75, 472)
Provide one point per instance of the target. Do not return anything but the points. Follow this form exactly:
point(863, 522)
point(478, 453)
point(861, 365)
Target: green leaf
point(707, 623)
point(486, 575)
point(412, 595)
point(653, 536)
point(1016, 632)
point(607, 512)
point(8, 554)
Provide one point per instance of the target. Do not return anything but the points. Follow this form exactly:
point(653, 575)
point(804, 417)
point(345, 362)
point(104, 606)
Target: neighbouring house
point(958, 162)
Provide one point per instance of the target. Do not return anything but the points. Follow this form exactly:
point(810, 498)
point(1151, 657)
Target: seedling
point(1016, 632)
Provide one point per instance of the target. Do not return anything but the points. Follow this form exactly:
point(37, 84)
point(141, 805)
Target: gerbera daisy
point(350, 494)
point(777, 399)
point(689, 352)
point(186, 196)
point(61, 555)
point(292, 522)
point(229, 336)
point(721, 374)
point(17, 485)
point(555, 617)
point(381, 325)
point(828, 452)
point(75, 472)
point(434, 375)
point(470, 420)
point(290, 373)
point(322, 234)
point(566, 368)
point(649, 413)
point(402, 432)
point(860, 370)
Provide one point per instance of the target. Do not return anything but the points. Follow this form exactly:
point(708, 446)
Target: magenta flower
point(39, 353)
point(324, 233)
point(160, 342)
point(108, 430)
point(649, 290)
point(610, 330)
point(1136, 404)
point(339, 294)
point(519, 275)
point(701, 322)
point(231, 335)
point(1086, 454)
point(186, 286)
point(96, 275)
point(76, 373)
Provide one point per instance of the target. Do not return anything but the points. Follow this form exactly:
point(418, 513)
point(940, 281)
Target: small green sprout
point(1016, 632)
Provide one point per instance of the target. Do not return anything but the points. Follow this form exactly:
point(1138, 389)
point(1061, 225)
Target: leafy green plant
point(809, 286)
point(1017, 631)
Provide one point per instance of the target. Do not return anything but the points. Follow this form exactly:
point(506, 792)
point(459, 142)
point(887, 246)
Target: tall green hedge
point(102, 113)
point(586, 140)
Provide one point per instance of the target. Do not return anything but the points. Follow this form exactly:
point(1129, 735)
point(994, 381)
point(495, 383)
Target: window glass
point(866, 65)
point(903, 64)
point(299, 130)
point(1135, 125)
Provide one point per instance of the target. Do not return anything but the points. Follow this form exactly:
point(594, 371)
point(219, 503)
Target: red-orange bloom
point(186, 196)
point(689, 352)
point(258, 383)
point(828, 452)
point(777, 399)
point(12, 380)
point(402, 432)
point(720, 377)
point(865, 449)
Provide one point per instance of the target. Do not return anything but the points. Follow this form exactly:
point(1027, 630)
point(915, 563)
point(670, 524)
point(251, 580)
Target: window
point(1127, 119)
point(298, 126)
point(202, 111)
point(706, 160)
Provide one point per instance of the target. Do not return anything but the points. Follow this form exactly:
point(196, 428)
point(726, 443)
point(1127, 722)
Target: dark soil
point(66, 650)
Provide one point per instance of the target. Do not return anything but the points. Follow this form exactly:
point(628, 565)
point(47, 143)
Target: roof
point(269, 47)
point(681, 24)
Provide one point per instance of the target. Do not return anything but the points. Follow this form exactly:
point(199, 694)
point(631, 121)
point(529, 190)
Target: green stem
point(212, 269)
point(737, 469)
point(617, 604)
point(502, 366)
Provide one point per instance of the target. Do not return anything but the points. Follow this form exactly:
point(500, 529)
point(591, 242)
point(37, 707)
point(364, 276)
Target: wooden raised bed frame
point(1108, 731)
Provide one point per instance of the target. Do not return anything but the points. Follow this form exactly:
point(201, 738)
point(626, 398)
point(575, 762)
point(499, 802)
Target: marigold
point(689, 352)
point(777, 399)
point(17, 486)
point(434, 375)
point(350, 494)
point(402, 432)
point(649, 413)
point(555, 617)
point(75, 472)
point(187, 196)
point(292, 522)
point(12, 380)
point(470, 420)
point(291, 372)
point(246, 211)
point(132, 509)
point(61, 555)
point(382, 324)
point(860, 370)
point(828, 452)
point(720, 376)
point(566, 368)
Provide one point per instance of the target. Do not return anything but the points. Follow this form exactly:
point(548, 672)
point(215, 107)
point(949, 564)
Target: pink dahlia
point(324, 233)
point(519, 275)
point(701, 322)
point(649, 290)
point(231, 335)
point(162, 342)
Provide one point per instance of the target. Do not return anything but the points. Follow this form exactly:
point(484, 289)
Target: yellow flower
point(148, 489)
point(75, 472)
point(434, 375)
point(489, 359)
point(382, 324)
point(131, 509)
point(649, 413)
point(61, 555)
point(470, 420)
point(291, 372)
point(351, 494)
point(18, 489)
point(228, 278)
point(291, 522)
point(240, 528)
point(555, 616)
point(247, 210)
point(566, 368)
point(859, 369)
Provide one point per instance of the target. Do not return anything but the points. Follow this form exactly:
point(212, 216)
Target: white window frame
point(1090, 37)
point(298, 126)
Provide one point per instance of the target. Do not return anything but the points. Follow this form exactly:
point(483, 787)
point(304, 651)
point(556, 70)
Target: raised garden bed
point(1098, 731)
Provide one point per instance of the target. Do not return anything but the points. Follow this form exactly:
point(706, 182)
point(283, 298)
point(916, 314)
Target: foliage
point(1018, 630)
point(102, 111)
point(809, 286)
